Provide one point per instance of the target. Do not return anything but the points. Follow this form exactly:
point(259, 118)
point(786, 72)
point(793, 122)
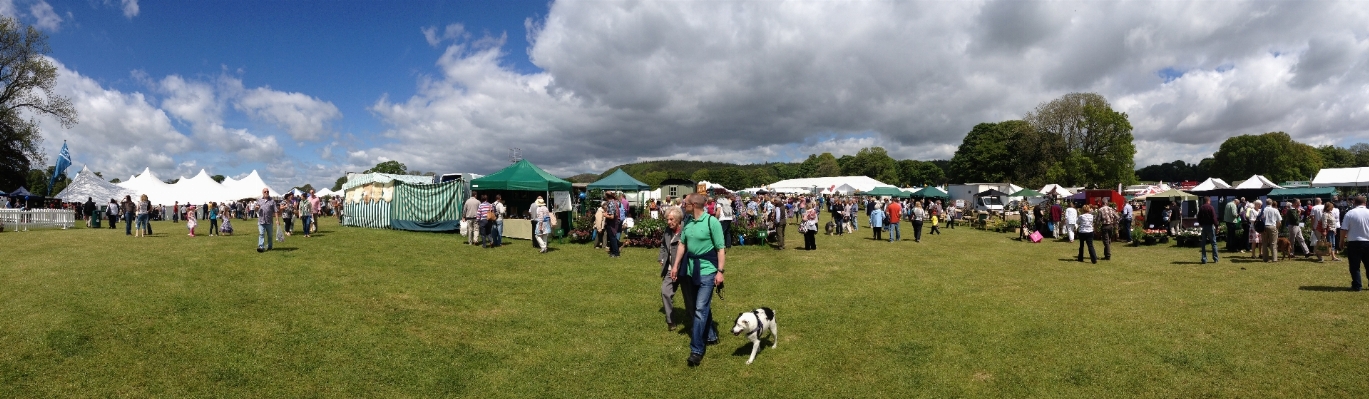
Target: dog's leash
point(719, 290)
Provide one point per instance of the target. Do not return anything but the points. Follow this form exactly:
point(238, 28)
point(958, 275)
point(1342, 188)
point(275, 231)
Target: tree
point(29, 83)
point(1173, 171)
point(845, 165)
point(337, 186)
point(171, 181)
point(1274, 155)
point(389, 167)
point(699, 175)
point(809, 167)
point(306, 187)
point(218, 178)
point(38, 181)
point(827, 166)
point(873, 162)
point(1336, 157)
point(919, 173)
point(115, 181)
point(987, 154)
point(1077, 139)
point(1361, 151)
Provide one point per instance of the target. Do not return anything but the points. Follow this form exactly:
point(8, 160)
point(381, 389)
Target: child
point(190, 219)
point(225, 227)
point(935, 230)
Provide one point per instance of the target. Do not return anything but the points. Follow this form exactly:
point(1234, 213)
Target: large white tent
point(828, 184)
point(87, 185)
point(1256, 182)
point(196, 190)
point(1341, 177)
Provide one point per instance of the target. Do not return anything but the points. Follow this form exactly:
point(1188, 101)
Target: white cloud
point(119, 133)
point(7, 9)
point(451, 32)
point(745, 81)
point(304, 117)
point(44, 17)
point(130, 8)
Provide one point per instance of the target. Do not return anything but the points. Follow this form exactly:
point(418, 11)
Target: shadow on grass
point(745, 350)
point(1186, 263)
point(1323, 288)
point(283, 249)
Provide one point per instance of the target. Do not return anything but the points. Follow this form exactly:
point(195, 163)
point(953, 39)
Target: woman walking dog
point(705, 259)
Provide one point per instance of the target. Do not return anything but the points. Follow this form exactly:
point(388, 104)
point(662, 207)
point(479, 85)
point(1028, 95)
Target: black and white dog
point(754, 324)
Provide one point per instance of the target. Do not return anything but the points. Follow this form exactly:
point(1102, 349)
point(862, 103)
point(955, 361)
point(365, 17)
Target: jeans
point(1209, 236)
point(810, 241)
point(839, 222)
point(893, 233)
point(265, 233)
point(1086, 238)
point(917, 230)
point(616, 225)
point(1355, 250)
point(855, 223)
point(1050, 229)
point(128, 223)
point(727, 233)
point(878, 230)
point(1124, 229)
point(213, 226)
point(698, 296)
point(142, 223)
point(308, 221)
point(498, 233)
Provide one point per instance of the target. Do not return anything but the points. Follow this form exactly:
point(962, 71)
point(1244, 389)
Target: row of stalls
point(417, 203)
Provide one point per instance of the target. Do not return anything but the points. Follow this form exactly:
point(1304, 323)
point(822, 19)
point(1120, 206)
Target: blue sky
point(303, 91)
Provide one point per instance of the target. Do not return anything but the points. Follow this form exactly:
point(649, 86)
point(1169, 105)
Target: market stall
point(520, 184)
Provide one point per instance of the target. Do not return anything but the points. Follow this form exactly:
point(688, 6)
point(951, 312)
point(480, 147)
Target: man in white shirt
point(1125, 226)
point(1269, 237)
point(725, 210)
point(1314, 221)
point(1356, 226)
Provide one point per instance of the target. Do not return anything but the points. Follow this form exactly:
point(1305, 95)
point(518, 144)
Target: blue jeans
point(265, 233)
point(893, 232)
point(128, 223)
point(1209, 236)
point(498, 232)
point(698, 299)
point(142, 223)
point(308, 220)
point(855, 223)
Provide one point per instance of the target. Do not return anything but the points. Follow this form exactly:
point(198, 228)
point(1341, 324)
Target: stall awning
point(618, 181)
point(1305, 192)
point(521, 176)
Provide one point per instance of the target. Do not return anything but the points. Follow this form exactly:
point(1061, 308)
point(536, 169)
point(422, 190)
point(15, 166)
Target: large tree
point(873, 162)
point(29, 81)
point(1173, 171)
point(918, 173)
point(827, 166)
point(1077, 139)
point(988, 153)
point(389, 167)
point(337, 185)
point(1336, 157)
point(1274, 155)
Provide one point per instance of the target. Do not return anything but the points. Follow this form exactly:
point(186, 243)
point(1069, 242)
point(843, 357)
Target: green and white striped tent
point(401, 202)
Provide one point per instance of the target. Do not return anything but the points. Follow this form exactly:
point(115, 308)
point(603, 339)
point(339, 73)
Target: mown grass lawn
point(372, 313)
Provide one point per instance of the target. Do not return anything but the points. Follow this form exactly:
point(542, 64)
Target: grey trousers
point(668, 288)
point(1295, 237)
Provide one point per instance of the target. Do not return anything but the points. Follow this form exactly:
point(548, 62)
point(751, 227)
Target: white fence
point(21, 220)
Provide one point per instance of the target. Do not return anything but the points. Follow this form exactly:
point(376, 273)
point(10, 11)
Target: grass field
point(375, 313)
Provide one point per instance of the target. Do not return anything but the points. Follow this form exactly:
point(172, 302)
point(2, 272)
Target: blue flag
point(63, 161)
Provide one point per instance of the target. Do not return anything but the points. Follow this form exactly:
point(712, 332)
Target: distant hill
point(583, 178)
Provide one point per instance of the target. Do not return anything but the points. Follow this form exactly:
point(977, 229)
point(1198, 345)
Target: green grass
point(367, 313)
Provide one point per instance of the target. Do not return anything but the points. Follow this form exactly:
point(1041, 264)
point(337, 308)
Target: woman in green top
point(705, 260)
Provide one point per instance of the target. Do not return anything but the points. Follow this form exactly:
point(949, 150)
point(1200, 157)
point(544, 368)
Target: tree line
point(1274, 155)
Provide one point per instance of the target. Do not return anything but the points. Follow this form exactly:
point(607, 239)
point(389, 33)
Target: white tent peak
point(1257, 181)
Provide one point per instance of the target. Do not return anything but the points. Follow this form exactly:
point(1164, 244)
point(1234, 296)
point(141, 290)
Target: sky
point(305, 91)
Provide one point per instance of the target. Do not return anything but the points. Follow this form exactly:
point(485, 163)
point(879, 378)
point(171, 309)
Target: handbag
point(1036, 236)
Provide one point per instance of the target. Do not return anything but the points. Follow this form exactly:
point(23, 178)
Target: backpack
point(1259, 221)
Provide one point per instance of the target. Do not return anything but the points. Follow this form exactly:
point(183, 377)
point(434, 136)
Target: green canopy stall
point(1281, 194)
point(886, 191)
point(930, 192)
point(618, 181)
point(520, 184)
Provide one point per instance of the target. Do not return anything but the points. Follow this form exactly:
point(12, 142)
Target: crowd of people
point(138, 213)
